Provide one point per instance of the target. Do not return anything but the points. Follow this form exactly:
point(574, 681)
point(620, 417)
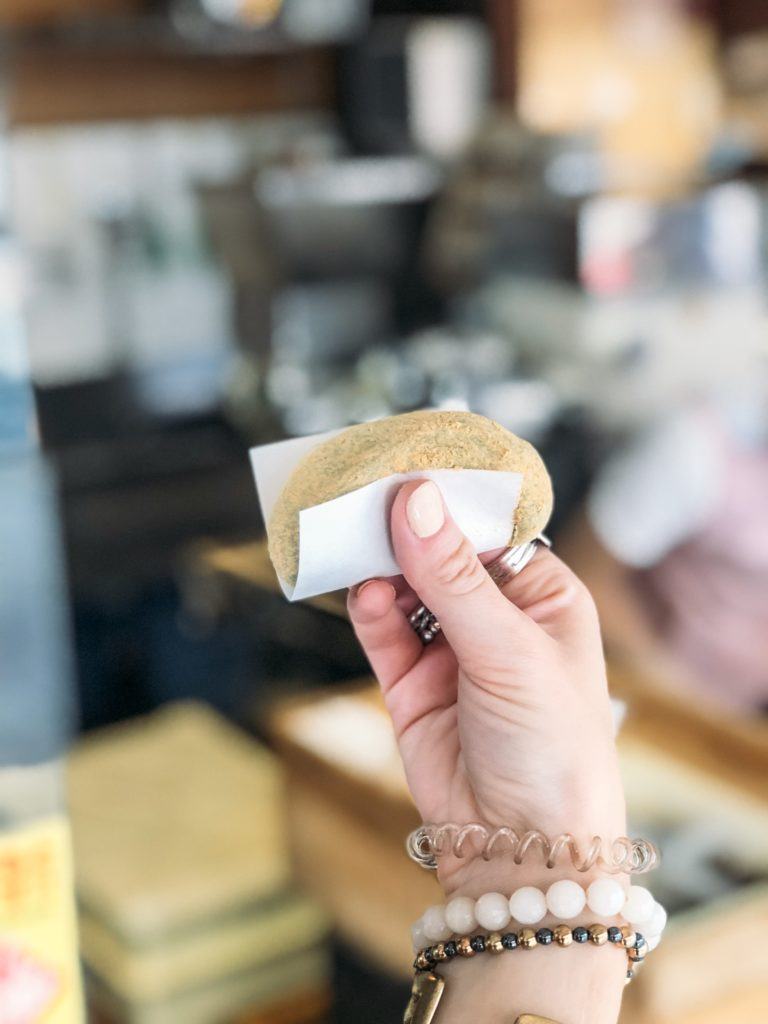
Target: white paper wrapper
point(345, 541)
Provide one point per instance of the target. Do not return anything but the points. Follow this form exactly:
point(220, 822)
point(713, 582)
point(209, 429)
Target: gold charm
point(426, 994)
point(598, 934)
point(494, 944)
point(527, 938)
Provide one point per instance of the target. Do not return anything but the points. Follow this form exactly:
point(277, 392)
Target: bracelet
point(428, 987)
point(428, 842)
point(634, 943)
point(528, 905)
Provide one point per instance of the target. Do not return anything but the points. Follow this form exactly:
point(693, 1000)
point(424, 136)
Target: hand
point(505, 718)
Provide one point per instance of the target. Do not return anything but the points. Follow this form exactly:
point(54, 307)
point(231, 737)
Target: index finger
point(383, 630)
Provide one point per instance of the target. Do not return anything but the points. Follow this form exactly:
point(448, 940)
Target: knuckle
point(568, 592)
point(573, 595)
point(459, 570)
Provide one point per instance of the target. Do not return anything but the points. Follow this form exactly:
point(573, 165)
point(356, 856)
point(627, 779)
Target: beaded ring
point(428, 842)
point(528, 905)
point(562, 935)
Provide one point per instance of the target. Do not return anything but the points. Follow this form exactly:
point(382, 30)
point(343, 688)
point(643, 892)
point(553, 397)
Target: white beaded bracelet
point(528, 905)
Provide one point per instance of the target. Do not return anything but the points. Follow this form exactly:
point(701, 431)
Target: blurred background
point(226, 222)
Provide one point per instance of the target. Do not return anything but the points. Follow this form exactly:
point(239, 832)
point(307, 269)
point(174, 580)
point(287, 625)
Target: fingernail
point(424, 510)
point(361, 586)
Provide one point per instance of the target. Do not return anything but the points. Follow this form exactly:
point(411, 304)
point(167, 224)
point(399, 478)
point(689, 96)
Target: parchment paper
point(345, 541)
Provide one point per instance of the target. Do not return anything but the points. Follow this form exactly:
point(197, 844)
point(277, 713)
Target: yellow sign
point(39, 967)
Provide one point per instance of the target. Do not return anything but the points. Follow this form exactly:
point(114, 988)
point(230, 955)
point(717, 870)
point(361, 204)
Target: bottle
point(39, 965)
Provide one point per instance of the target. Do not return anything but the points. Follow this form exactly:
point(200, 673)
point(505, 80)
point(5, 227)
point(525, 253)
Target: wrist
point(580, 839)
point(475, 876)
point(515, 861)
point(578, 985)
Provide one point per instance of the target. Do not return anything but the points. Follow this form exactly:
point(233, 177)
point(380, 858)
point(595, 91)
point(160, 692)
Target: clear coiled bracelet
point(431, 841)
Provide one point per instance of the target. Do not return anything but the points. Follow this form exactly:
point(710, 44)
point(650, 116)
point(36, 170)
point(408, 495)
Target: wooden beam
point(35, 13)
point(503, 19)
point(56, 84)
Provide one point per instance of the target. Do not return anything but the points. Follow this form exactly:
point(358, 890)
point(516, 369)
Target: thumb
point(442, 567)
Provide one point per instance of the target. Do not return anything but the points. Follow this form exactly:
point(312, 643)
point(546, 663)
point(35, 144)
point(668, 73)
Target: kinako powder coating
point(405, 444)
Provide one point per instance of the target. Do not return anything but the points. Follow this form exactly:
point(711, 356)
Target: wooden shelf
point(247, 563)
point(56, 84)
point(38, 13)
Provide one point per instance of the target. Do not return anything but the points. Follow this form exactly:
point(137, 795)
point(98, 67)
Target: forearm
point(576, 984)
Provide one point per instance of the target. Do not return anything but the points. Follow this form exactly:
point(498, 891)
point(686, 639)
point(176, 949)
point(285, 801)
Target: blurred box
point(308, 1008)
point(350, 813)
point(187, 907)
point(695, 780)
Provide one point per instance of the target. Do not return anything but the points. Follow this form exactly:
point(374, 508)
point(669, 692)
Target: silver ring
point(502, 569)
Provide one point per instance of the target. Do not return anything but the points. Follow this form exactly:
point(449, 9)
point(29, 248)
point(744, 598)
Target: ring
point(502, 569)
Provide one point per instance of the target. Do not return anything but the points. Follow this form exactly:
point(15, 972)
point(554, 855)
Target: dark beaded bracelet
point(562, 935)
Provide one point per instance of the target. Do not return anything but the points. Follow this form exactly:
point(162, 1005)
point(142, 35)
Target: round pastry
point(414, 441)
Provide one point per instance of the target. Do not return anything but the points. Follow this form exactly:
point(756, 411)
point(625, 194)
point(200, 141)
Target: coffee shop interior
point(225, 223)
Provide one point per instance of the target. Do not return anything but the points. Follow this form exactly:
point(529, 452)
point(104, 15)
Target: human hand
point(505, 718)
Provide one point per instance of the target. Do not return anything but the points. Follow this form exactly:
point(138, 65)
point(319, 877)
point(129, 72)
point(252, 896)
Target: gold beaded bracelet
point(527, 938)
point(428, 987)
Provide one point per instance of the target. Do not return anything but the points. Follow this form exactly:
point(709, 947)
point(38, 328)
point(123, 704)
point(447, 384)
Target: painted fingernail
point(424, 510)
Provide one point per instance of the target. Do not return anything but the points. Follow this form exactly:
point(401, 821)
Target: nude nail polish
point(424, 510)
